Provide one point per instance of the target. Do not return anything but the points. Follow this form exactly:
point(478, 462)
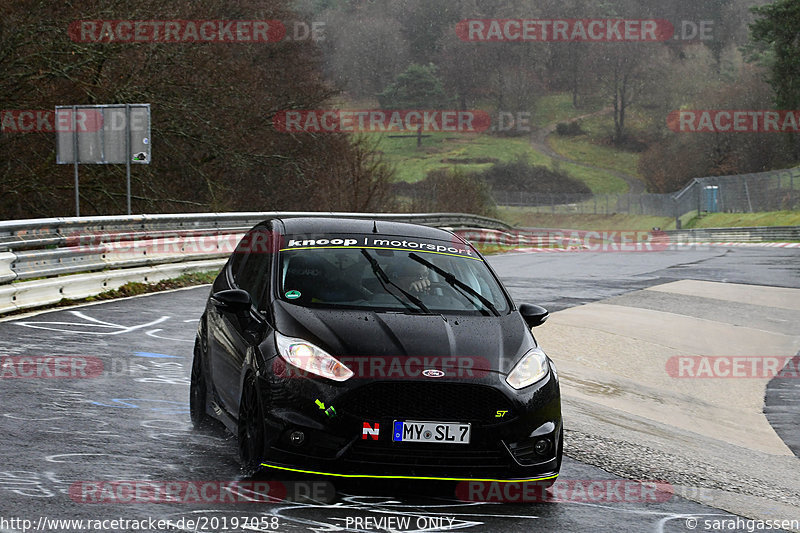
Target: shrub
point(569, 129)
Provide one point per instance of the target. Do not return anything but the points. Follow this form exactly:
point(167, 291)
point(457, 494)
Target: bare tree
point(214, 146)
point(365, 48)
point(680, 156)
point(627, 72)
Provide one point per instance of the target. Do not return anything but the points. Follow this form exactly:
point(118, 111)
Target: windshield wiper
point(384, 279)
point(454, 282)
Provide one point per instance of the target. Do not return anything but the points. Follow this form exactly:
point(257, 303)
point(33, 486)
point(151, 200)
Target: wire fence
point(598, 204)
point(776, 190)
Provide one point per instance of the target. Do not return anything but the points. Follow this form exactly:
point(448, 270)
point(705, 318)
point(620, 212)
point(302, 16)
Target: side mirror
point(533, 315)
point(236, 301)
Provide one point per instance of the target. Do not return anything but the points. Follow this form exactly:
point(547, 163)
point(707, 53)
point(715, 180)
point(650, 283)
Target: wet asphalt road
point(132, 423)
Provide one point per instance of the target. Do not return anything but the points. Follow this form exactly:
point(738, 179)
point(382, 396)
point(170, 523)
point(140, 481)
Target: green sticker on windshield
point(293, 295)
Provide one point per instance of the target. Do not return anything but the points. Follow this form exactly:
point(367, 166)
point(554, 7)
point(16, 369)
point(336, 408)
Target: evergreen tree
point(776, 34)
point(417, 88)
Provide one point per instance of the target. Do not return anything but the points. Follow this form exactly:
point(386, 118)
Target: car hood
point(492, 343)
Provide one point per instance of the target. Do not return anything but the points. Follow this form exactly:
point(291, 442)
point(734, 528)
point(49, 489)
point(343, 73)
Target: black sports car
point(361, 348)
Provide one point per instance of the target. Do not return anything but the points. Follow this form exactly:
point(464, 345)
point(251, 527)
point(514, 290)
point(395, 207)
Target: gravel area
point(632, 461)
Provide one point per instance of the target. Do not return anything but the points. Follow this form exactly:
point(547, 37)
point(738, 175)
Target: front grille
point(441, 401)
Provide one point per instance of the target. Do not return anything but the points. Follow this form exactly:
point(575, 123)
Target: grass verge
point(558, 108)
point(526, 217)
point(738, 220)
point(593, 147)
point(519, 216)
point(449, 151)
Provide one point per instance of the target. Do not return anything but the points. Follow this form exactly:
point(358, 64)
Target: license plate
point(436, 432)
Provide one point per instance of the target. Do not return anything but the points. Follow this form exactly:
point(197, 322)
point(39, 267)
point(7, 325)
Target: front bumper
point(546, 478)
point(336, 442)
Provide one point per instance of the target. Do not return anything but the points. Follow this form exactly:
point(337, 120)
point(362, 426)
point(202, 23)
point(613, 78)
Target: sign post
point(103, 135)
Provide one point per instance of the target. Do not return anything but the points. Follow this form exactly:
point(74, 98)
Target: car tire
point(198, 391)
point(251, 426)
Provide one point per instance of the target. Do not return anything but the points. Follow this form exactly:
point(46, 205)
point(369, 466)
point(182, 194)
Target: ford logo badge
point(433, 373)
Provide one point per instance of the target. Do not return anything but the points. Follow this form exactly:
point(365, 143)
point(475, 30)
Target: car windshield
point(365, 272)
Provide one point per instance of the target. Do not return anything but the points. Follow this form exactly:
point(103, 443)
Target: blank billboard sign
point(103, 134)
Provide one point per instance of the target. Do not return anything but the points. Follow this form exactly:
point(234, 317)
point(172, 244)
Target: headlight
point(530, 369)
point(310, 358)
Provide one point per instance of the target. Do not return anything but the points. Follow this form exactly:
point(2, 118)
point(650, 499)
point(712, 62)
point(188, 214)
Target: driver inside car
point(413, 277)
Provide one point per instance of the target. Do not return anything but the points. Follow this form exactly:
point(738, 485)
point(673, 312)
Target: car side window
point(252, 264)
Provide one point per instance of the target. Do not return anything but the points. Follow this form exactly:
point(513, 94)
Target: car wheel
point(251, 426)
point(198, 391)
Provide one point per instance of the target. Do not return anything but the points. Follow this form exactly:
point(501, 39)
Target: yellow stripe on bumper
point(407, 477)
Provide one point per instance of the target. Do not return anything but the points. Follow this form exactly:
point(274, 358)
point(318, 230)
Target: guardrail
point(552, 239)
point(43, 261)
point(103, 253)
point(41, 232)
point(751, 234)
